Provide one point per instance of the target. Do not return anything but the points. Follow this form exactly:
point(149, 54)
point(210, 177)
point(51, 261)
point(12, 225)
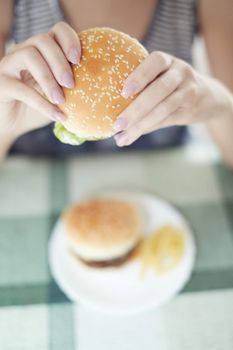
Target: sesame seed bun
point(102, 230)
point(92, 106)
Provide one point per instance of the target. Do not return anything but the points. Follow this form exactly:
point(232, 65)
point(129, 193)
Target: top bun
point(92, 106)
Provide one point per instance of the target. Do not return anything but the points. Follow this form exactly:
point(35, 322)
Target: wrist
point(222, 103)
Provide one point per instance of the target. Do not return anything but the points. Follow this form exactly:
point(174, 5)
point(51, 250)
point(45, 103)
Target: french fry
point(162, 250)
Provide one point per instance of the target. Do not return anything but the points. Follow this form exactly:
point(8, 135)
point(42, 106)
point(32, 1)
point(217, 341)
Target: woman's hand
point(31, 76)
point(170, 92)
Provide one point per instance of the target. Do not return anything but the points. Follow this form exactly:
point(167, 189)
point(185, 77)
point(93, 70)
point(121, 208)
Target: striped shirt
point(171, 30)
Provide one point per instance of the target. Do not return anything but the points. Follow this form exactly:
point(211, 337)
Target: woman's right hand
point(31, 76)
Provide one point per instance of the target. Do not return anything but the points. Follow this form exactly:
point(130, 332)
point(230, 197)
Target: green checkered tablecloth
point(36, 315)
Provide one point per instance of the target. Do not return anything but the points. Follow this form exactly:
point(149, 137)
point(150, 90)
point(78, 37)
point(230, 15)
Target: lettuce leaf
point(66, 136)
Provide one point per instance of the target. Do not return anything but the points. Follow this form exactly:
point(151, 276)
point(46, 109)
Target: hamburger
point(102, 232)
point(92, 106)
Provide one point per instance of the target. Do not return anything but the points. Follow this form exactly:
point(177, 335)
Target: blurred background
point(36, 314)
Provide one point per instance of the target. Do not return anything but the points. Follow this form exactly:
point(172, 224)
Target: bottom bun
point(112, 262)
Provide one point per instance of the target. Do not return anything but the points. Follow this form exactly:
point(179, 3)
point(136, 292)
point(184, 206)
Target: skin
point(170, 92)
point(173, 93)
point(110, 13)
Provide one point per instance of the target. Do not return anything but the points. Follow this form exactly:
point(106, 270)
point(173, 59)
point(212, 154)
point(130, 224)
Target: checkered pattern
point(35, 314)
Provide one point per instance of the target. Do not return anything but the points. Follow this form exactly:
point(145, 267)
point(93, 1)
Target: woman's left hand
point(170, 92)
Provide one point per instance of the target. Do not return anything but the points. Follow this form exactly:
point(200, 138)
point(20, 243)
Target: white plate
point(122, 289)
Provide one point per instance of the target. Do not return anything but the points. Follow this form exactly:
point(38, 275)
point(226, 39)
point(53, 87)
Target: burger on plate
point(93, 105)
point(102, 232)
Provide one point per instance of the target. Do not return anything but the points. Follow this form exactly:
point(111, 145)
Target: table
point(35, 314)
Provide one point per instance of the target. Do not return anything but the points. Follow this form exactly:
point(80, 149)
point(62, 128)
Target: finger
point(156, 92)
point(54, 57)
point(52, 54)
point(68, 40)
point(153, 65)
point(177, 118)
point(21, 92)
point(183, 115)
point(30, 59)
point(151, 120)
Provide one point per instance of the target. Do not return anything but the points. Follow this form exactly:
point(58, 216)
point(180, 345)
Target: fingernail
point(57, 96)
point(59, 116)
point(68, 80)
point(120, 124)
point(74, 55)
point(129, 90)
point(121, 140)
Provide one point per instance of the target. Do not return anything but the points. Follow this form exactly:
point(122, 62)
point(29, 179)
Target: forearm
point(2, 48)
point(5, 141)
point(221, 127)
point(219, 45)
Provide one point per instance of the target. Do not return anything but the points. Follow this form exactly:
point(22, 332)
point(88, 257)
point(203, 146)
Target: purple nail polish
point(74, 56)
point(59, 116)
point(57, 96)
point(68, 80)
point(129, 89)
point(120, 124)
point(121, 139)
